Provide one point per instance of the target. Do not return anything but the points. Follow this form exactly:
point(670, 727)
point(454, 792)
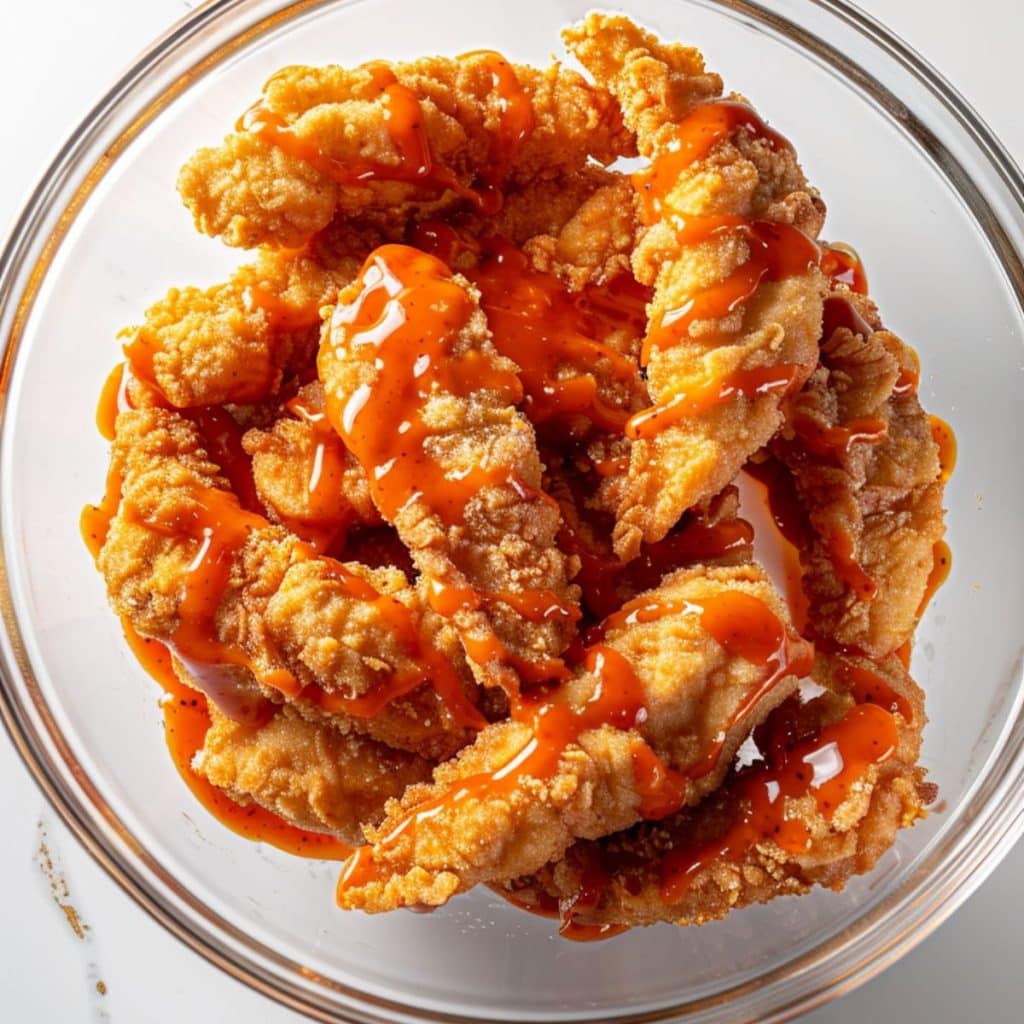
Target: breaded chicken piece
point(311, 774)
point(391, 144)
point(305, 478)
point(737, 303)
point(650, 722)
point(418, 393)
point(866, 468)
point(238, 599)
point(232, 342)
point(799, 816)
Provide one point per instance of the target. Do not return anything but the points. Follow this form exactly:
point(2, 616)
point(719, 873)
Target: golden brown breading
point(341, 152)
point(769, 830)
point(498, 807)
point(867, 469)
point(232, 342)
point(452, 463)
point(285, 616)
point(309, 773)
point(695, 454)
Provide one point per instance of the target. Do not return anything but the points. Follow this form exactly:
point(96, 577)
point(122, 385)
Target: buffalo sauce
point(742, 624)
point(775, 251)
point(945, 439)
point(553, 723)
point(825, 767)
point(404, 323)
point(186, 722)
point(329, 515)
point(703, 128)
point(867, 686)
point(551, 335)
point(841, 265)
point(840, 548)
point(834, 442)
point(406, 128)
point(752, 383)
point(942, 564)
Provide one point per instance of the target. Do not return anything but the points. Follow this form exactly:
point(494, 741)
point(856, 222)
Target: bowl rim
point(929, 897)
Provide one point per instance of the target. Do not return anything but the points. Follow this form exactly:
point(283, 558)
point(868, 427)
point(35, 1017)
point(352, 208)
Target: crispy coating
point(884, 495)
point(286, 608)
point(657, 85)
point(693, 690)
point(310, 773)
point(847, 839)
point(250, 191)
point(504, 541)
point(233, 342)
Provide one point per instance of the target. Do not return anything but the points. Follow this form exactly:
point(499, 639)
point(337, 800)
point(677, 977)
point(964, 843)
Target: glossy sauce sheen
point(617, 700)
point(775, 251)
point(404, 323)
point(742, 624)
point(825, 767)
point(186, 721)
point(414, 164)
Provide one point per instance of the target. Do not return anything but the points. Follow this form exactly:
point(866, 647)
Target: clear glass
point(912, 179)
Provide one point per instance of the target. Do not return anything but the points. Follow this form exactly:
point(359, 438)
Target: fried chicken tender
point(866, 468)
point(501, 805)
point(311, 774)
point(744, 845)
point(308, 629)
point(233, 342)
point(304, 476)
point(698, 243)
point(428, 408)
point(390, 144)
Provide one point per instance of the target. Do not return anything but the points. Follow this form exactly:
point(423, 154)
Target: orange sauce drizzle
point(617, 700)
point(515, 122)
point(405, 125)
point(328, 514)
point(776, 251)
point(221, 527)
point(280, 315)
point(942, 564)
point(841, 265)
point(94, 522)
point(943, 436)
point(851, 575)
point(186, 721)
point(703, 128)
point(868, 687)
point(793, 529)
point(109, 406)
point(825, 767)
point(551, 335)
point(833, 442)
point(840, 312)
point(405, 323)
point(222, 439)
point(750, 384)
point(910, 375)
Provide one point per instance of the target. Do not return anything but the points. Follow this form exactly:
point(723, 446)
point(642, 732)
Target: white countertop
point(56, 58)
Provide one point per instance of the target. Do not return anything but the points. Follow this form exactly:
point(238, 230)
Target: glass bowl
point(913, 179)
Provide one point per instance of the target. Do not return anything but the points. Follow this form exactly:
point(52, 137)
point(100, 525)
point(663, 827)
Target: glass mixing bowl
point(913, 179)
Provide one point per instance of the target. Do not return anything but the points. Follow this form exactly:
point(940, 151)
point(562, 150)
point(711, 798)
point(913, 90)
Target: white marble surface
point(56, 57)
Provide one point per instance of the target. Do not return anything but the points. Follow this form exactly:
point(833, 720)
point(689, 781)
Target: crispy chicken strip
point(237, 598)
point(649, 723)
point(737, 301)
point(309, 773)
point(390, 144)
point(418, 393)
point(835, 780)
point(867, 470)
point(233, 342)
